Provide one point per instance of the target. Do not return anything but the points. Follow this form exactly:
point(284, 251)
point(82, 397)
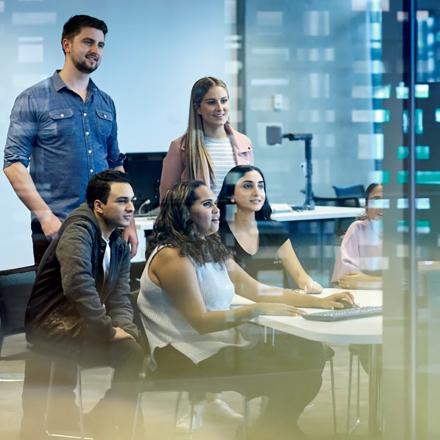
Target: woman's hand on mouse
point(336, 300)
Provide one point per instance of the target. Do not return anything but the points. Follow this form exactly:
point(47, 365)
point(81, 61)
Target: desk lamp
point(275, 136)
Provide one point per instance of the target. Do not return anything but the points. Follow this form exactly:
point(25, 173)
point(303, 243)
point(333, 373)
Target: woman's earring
point(232, 200)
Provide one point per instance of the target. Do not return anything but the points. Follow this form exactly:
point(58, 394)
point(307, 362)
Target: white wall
point(154, 52)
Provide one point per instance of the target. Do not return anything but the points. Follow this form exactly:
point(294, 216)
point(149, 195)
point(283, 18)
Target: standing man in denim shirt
point(65, 128)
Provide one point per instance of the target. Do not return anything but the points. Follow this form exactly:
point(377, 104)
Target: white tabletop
point(353, 331)
point(319, 213)
point(144, 223)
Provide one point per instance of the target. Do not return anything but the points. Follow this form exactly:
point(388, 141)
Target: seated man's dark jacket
point(71, 303)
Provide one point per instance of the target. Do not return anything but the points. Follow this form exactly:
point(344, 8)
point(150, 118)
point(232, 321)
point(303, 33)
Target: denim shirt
point(64, 139)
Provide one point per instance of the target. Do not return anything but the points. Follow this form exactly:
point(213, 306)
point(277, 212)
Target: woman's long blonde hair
point(196, 152)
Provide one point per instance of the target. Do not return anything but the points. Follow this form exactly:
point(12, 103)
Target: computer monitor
point(145, 170)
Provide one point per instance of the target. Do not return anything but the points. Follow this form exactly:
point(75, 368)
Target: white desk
point(353, 331)
point(365, 331)
point(319, 213)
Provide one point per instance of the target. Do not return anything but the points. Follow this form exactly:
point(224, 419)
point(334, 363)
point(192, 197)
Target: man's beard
point(83, 67)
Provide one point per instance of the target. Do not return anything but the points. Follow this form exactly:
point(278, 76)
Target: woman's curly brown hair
point(175, 228)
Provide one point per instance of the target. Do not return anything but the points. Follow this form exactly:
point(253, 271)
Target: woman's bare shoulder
point(170, 259)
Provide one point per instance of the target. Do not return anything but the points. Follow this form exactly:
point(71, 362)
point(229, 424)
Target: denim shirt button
point(90, 151)
point(85, 114)
point(91, 170)
point(62, 115)
point(87, 133)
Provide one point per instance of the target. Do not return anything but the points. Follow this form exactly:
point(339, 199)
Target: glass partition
point(363, 76)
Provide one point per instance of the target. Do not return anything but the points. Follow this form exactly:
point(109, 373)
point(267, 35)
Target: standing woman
point(259, 244)
point(210, 147)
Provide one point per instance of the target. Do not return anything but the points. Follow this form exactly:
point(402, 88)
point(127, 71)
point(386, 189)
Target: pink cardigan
point(360, 251)
point(174, 167)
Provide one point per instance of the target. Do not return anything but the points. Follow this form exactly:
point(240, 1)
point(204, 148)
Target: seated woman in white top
point(359, 261)
point(185, 302)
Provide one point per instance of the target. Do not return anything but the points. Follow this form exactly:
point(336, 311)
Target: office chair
point(351, 428)
point(341, 224)
point(350, 201)
point(354, 191)
point(152, 384)
point(195, 386)
point(362, 353)
point(79, 370)
point(15, 290)
point(82, 432)
point(155, 383)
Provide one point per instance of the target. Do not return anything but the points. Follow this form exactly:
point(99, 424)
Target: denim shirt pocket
point(59, 124)
point(104, 122)
point(61, 114)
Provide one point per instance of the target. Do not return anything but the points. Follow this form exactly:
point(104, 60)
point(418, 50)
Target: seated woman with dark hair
point(185, 300)
point(259, 245)
point(359, 260)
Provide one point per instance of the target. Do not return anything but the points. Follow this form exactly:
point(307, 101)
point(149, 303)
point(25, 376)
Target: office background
point(284, 62)
point(340, 69)
point(155, 50)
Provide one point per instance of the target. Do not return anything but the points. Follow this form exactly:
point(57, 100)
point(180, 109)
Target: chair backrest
point(336, 201)
point(325, 201)
point(350, 195)
point(15, 290)
point(143, 340)
point(350, 191)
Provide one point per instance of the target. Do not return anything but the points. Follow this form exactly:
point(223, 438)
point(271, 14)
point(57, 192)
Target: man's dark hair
point(73, 26)
point(99, 185)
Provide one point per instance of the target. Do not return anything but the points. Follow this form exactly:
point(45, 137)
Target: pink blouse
point(360, 251)
point(174, 167)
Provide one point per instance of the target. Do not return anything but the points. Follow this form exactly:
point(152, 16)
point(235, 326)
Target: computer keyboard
point(341, 314)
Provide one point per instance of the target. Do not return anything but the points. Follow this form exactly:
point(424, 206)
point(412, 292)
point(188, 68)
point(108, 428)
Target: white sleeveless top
point(165, 325)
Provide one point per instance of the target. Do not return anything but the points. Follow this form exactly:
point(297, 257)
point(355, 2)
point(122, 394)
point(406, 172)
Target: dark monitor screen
point(145, 170)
